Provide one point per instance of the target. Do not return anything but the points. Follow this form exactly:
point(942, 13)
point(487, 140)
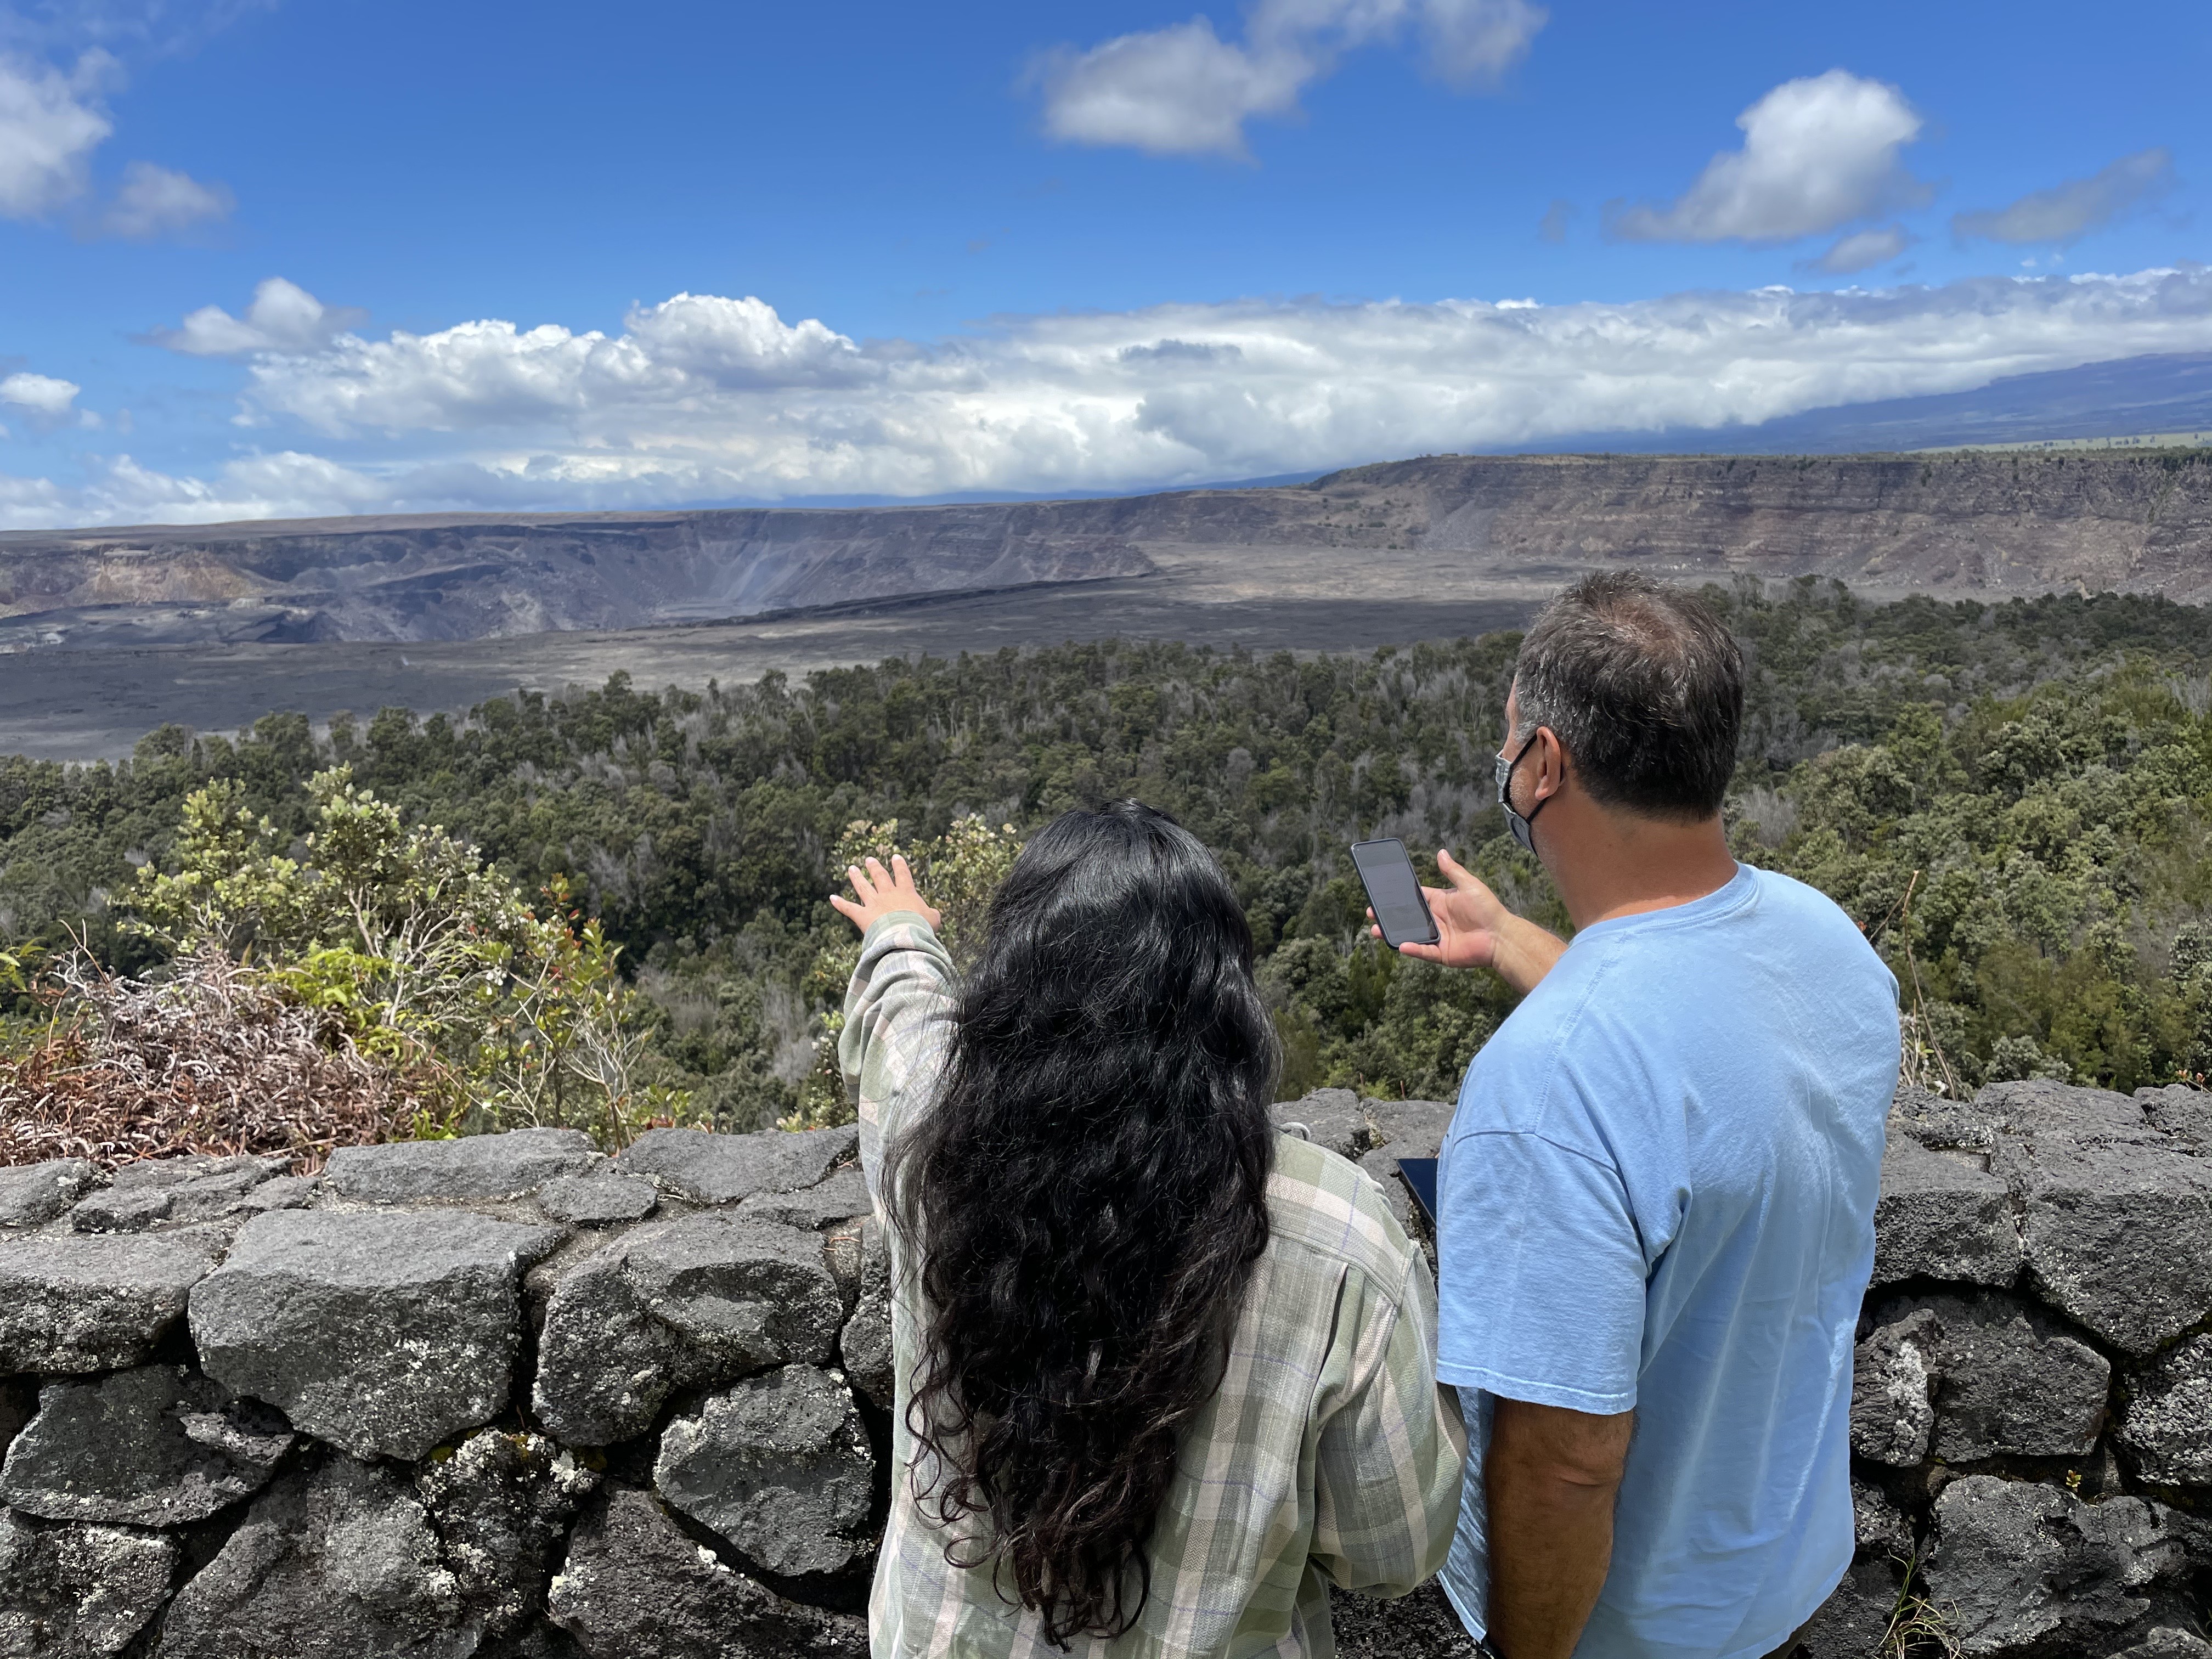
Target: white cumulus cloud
point(1184, 90)
point(1818, 152)
point(158, 201)
point(283, 316)
point(42, 394)
point(1177, 91)
point(702, 398)
point(2067, 211)
point(50, 121)
point(705, 398)
point(286, 485)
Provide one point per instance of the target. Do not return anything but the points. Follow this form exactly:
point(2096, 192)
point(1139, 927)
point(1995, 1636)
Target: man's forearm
point(1551, 1503)
point(1525, 952)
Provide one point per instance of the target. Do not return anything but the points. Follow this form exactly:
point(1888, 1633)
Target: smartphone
point(1394, 893)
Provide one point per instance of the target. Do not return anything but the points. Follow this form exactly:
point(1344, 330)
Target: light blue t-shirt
point(1658, 1195)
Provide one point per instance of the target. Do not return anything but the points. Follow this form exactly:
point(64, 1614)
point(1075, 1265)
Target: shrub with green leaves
point(426, 958)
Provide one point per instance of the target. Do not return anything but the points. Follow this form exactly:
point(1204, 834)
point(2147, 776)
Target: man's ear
point(1551, 763)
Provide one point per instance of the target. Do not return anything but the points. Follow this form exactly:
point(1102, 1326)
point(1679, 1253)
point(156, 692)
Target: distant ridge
point(2122, 398)
point(1472, 526)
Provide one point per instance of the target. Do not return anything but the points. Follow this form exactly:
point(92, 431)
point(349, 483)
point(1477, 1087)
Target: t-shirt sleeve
point(1540, 1274)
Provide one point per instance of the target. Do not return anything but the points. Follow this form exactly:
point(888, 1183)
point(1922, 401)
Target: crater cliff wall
point(1960, 523)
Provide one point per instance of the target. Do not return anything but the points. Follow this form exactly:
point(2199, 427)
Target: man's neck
point(1607, 863)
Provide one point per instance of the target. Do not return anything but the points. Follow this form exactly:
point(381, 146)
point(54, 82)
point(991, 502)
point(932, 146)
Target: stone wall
point(506, 1397)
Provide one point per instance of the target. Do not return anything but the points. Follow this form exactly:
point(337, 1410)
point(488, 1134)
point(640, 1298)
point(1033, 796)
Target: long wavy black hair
point(1086, 1203)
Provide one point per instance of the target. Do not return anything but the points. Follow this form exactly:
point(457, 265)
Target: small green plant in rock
point(1918, 1629)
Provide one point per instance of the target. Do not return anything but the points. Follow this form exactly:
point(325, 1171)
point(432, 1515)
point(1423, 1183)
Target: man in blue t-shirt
point(1656, 1199)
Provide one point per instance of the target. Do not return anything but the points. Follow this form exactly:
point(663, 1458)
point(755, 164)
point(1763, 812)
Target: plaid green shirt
point(1328, 1456)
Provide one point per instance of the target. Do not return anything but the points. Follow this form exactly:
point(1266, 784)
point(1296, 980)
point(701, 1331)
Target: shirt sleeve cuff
point(1590, 1402)
point(897, 919)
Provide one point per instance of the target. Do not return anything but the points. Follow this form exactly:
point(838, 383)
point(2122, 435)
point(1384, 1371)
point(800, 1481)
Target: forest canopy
point(2011, 798)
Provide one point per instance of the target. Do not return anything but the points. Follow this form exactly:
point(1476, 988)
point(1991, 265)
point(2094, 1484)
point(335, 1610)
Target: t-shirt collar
point(1736, 891)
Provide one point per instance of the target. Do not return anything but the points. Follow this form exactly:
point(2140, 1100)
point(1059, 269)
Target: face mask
point(1519, 825)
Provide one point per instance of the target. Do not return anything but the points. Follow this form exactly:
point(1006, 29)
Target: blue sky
point(1087, 246)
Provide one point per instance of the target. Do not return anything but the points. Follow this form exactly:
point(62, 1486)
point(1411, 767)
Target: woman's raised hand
point(880, 892)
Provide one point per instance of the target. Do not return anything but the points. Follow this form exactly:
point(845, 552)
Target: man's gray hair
point(1644, 689)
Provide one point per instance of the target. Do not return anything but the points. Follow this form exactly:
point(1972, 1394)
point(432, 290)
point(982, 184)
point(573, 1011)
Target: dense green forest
point(2012, 799)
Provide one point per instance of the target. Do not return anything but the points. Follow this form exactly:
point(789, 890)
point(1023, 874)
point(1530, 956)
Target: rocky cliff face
point(505, 1397)
point(1983, 524)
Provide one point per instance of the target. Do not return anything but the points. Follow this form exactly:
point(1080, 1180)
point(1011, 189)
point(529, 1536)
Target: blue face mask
point(1519, 825)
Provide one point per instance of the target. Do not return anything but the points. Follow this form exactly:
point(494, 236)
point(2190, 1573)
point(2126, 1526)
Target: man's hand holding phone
point(1475, 930)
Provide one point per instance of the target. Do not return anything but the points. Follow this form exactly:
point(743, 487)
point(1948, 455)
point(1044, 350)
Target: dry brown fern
point(208, 1060)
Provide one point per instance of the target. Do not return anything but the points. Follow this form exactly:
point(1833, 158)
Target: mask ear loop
point(1523, 829)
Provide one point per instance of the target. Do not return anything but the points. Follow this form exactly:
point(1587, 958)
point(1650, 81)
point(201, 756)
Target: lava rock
point(2015, 1563)
point(241, 1169)
point(1941, 1215)
point(187, 1189)
point(1853, 1621)
point(2180, 1111)
point(35, 1194)
point(244, 1192)
point(385, 1334)
point(596, 1199)
point(778, 1465)
point(1416, 1127)
point(538, 1641)
point(635, 1584)
point(156, 1446)
point(77, 1592)
point(73, 1303)
point(865, 1346)
point(2004, 1380)
point(1893, 1391)
point(696, 1302)
point(715, 1168)
point(2038, 1107)
point(333, 1562)
point(1941, 1124)
point(469, 1167)
point(1879, 1527)
point(2169, 1421)
point(2167, 1643)
point(2117, 1235)
point(1330, 1118)
point(123, 1210)
point(842, 1197)
point(1421, 1625)
point(284, 1192)
point(501, 1505)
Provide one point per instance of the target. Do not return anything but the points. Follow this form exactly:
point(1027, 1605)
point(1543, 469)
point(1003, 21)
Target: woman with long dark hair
point(1164, 1374)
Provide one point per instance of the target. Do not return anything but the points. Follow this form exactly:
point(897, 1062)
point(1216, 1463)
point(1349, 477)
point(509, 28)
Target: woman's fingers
point(861, 884)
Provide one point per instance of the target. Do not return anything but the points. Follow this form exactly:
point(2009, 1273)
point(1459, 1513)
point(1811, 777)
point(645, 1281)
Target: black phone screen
point(1394, 892)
